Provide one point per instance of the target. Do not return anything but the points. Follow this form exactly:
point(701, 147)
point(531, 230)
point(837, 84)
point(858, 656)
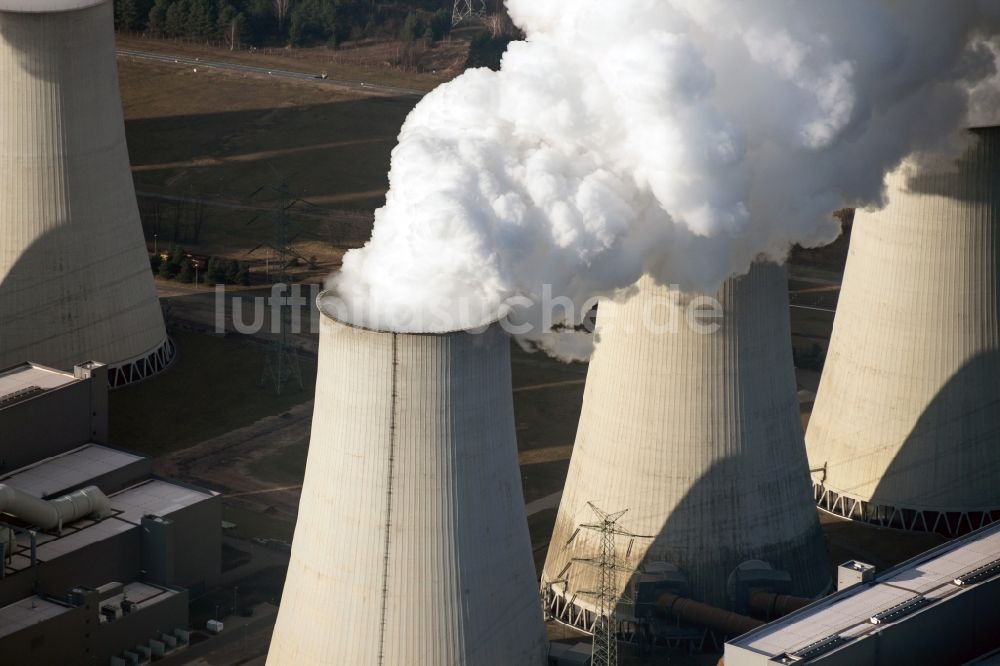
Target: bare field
point(212, 388)
point(373, 62)
point(228, 139)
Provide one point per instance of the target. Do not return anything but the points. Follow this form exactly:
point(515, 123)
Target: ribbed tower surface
point(699, 437)
point(411, 545)
point(75, 282)
point(907, 418)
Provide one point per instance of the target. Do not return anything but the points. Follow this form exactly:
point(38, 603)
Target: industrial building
point(75, 280)
point(411, 545)
point(938, 608)
point(904, 432)
point(99, 556)
point(31, 394)
point(697, 435)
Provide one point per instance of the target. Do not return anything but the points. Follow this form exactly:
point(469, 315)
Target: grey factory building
point(100, 557)
point(941, 607)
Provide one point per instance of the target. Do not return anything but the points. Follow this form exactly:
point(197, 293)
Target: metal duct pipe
point(49, 514)
point(703, 615)
point(6, 547)
point(772, 605)
point(7, 541)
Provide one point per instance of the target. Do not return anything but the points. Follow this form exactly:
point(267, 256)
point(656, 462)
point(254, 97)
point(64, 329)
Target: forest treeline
point(281, 22)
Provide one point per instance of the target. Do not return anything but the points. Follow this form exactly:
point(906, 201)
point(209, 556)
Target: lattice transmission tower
point(281, 363)
point(607, 597)
point(466, 9)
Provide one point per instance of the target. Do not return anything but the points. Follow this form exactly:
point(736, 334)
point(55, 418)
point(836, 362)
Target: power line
point(281, 364)
point(466, 9)
point(606, 596)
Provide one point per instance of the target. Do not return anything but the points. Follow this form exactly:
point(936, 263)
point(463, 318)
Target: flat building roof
point(143, 595)
point(943, 572)
point(28, 612)
point(153, 496)
point(73, 469)
point(46, 6)
point(156, 497)
point(28, 379)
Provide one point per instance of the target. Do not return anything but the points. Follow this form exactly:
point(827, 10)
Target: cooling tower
point(75, 281)
point(698, 436)
point(411, 545)
point(906, 427)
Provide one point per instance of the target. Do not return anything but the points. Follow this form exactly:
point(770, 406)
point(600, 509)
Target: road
point(361, 86)
point(313, 211)
point(812, 307)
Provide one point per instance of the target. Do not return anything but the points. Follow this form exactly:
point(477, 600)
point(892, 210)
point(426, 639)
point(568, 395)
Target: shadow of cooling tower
point(700, 549)
point(70, 297)
point(951, 458)
point(950, 462)
point(75, 283)
point(971, 181)
point(23, 43)
point(906, 429)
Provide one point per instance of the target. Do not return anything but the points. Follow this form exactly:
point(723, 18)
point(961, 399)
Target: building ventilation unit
point(696, 433)
point(75, 281)
point(905, 431)
point(411, 545)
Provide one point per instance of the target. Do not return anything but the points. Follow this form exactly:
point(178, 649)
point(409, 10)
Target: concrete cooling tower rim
point(321, 305)
point(47, 6)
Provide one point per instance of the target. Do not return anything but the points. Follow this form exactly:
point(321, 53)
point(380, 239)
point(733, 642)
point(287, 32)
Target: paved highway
point(264, 71)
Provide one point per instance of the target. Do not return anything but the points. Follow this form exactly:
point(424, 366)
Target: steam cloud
point(679, 138)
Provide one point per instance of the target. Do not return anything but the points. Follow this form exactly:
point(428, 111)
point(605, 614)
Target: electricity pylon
point(281, 365)
point(465, 9)
point(605, 644)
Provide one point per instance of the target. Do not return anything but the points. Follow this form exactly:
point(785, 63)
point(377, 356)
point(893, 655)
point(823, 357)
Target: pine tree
point(186, 273)
point(243, 275)
point(165, 271)
point(126, 15)
point(210, 272)
point(232, 272)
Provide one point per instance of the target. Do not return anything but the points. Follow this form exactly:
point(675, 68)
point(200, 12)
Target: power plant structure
point(99, 557)
point(75, 279)
point(692, 424)
point(411, 529)
point(905, 431)
point(936, 608)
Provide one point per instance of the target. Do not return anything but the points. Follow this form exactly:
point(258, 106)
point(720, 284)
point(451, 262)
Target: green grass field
point(212, 388)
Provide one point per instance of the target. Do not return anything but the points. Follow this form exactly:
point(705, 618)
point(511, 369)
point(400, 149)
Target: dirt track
point(223, 463)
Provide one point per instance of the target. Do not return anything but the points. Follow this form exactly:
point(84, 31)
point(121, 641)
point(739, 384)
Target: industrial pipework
point(54, 513)
point(773, 605)
point(7, 544)
point(699, 614)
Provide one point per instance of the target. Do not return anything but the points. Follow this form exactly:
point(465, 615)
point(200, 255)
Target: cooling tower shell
point(905, 431)
point(412, 544)
point(75, 280)
point(698, 436)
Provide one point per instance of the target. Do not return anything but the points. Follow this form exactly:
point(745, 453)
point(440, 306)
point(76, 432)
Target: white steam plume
point(984, 93)
point(682, 138)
